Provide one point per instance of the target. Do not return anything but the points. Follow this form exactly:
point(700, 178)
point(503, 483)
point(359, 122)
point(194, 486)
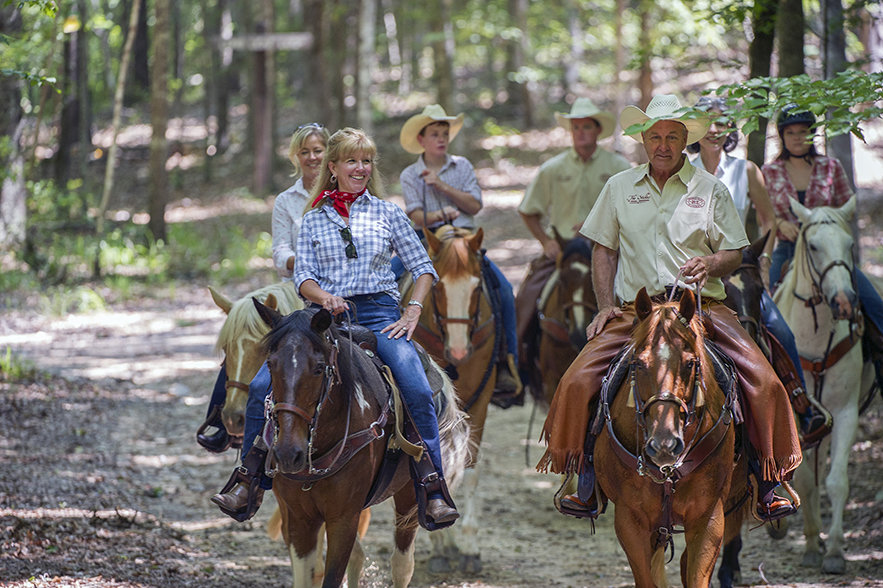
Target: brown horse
point(566, 307)
point(665, 455)
point(332, 426)
point(457, 328)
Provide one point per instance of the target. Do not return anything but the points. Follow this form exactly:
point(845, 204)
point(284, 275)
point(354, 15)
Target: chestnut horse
point(818, 299)
point(332, 430)
point(566, 307)
point(665, 455)
point(240, 341)
point(457, 328)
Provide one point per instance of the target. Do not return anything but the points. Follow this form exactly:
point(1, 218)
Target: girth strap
point(819, 367)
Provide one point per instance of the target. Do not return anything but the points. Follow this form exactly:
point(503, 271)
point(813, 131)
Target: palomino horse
point(566, 307)
point(457, 328)
point(240, 341)
point(818, 300)
point(332, 425)
point(676, 466)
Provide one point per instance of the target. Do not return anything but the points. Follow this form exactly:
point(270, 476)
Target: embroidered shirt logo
point(638, 198)
point(695, 202)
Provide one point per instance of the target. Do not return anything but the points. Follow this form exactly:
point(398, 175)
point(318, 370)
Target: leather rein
point(693, 455)
point(330, 462)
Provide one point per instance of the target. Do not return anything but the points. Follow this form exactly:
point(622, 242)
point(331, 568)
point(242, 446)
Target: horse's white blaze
point(360, 398)
point(579, 311)
point(664, 352)
point(736, 281)
point(459, 295)
point(302, 568)
point(402, 564)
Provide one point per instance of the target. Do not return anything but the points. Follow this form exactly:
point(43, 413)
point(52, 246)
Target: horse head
point(744, 288)
point(825, 257)
point(666, 374)
point(240, 341)
point(575, 294)
point(302, 359)
point(456, 297)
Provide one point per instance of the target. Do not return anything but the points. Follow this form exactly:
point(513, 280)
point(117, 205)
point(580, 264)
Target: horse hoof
point(729, 577)
point(439, 565)
point(470, 564)
point(777, 529)
point(812, 559)
point(452, 552)
point(834, 564)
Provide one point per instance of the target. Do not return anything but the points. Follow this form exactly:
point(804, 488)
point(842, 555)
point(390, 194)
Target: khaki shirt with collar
point(657, 230)
point(566, 188)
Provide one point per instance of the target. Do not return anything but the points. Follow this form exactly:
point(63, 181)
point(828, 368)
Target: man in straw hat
point(440, 189)
point(562, 195)
point(653, 224)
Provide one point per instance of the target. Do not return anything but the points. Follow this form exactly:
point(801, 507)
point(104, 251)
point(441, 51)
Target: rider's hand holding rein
point(604, 262)
point(411, 315)
point(314, 293)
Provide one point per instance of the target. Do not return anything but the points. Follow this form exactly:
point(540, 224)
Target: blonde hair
point(299, 138)
point(342, 144)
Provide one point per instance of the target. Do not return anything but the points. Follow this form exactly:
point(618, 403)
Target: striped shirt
point(828, 186)
point(288, 212)
point(457, 173)
point(378, 229)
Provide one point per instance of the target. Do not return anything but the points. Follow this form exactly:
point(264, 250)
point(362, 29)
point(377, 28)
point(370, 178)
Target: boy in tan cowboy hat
point(652, 225)
point(439, 189)
point(562, 194)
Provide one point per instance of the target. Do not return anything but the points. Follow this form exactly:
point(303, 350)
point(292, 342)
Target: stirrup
point(426, 482)
point(249, 474)
point(220, 441)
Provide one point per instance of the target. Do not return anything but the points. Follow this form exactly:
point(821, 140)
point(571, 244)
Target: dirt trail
point(121, 437)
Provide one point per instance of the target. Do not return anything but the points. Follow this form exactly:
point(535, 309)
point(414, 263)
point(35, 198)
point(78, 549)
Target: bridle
point(557, 329)
point(817, 296)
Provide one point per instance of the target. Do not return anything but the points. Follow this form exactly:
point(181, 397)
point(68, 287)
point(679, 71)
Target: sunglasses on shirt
point(350, 250)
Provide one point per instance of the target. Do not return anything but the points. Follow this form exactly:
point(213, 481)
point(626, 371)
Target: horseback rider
point(342, 260)
point(561, 195)
point(652, 225)
point(440, 188)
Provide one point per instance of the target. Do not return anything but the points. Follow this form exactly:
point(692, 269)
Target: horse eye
point(319, 369)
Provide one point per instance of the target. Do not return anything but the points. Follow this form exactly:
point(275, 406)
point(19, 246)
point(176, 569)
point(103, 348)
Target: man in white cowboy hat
point(562, 195)
point(657, 226)
point(440, 188)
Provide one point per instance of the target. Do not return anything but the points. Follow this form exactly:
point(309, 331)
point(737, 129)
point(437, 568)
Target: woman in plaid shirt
point(800, 172)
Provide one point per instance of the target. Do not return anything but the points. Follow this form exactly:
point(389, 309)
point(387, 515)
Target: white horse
point(818, 300)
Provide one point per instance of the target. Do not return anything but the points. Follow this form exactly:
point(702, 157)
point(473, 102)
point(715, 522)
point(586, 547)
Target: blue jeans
point(507, 303)
point(775, 324)
point(870, 299)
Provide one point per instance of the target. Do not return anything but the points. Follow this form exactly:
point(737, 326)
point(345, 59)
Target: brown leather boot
point(440, 512)
point(770, 506)
point(242, 495)
point(508, 389)
point(573, 506)
point(235, 500)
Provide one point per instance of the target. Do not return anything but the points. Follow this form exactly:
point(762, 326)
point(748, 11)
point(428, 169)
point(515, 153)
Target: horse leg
point(703, 538)
point(470, 557)
point(357, 559)
point(319, 567)
point(837, 484)
point(301, 538)
point(341, 538)
point(402, 561)
point(638, 549)
point(805, 482)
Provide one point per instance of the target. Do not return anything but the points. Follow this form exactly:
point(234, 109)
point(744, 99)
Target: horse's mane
point(456, 259)
point(243, 319)
point(577, 246)
point(820, 215)
point(297, 324)
point(665, 322)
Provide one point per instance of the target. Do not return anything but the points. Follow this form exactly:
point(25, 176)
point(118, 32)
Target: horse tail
point(454, 432)
point(657, 568)
point(274, 525)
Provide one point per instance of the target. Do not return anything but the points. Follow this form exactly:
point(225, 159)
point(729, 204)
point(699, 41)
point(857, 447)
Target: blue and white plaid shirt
point(378, 228)
point(457, 172)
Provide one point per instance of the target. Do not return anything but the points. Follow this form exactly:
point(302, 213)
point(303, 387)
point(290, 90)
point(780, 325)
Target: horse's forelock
point(577, 247)
point(456, 260)
point(296, 323)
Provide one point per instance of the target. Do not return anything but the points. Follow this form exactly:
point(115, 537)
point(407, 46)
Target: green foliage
point(60, 302)
point(12, 368)
point(847, 99)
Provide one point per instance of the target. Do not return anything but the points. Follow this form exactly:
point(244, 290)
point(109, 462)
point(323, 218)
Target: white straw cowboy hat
point(585, 108)
point(431, 114)
point(665, 107)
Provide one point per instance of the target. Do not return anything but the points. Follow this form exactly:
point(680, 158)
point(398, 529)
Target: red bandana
point(338, 200)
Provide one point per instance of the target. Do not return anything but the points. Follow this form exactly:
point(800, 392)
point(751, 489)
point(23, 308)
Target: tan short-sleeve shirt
point(657, 231)
point(566, 188)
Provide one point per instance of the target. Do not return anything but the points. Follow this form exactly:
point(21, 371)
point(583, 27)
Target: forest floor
point(104, 485)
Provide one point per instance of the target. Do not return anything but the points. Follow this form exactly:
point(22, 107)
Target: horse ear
point(643, 304)
point(752, 253)
point(321, 321)
point(848, 209)
point(433, 245)
point(800, 210)
point(222, 302)
point(688, 305)
point(475, 240)
point(267, 313)
point(271, 302)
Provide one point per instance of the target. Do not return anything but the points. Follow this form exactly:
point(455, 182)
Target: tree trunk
point(225, 80)
point(790, 25)
point(760, 53)
point(13, 212)
point(443, 54)
point(519, 95)
point(365, 65)
point(140, 55)
point(577, 48)
point(319, 90)
point(835, 61)
point(159, 119)
point(262, 106)
point(645, 75)
point(84, 128)
point(619, 98)
point(69, 124)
